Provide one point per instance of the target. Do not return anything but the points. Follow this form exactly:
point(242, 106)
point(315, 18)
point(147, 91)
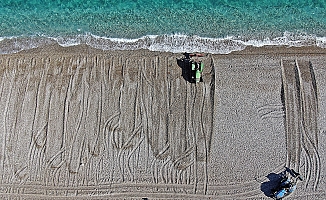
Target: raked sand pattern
point(91, 124)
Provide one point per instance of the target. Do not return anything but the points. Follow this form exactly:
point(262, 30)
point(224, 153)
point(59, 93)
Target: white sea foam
point(175, 43)
point(321, 42)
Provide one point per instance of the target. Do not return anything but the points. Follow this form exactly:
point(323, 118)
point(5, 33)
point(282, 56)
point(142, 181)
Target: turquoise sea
point(215, 26)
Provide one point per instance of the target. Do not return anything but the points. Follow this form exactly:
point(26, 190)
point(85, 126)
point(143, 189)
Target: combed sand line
point(308, 90)
point(301, 108)
point(68, 103)
point(292, 113)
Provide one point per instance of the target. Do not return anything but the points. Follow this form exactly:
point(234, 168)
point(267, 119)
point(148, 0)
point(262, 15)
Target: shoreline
point(249, 50)
point(175, 43)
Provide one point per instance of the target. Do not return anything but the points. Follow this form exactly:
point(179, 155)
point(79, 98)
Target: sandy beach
point(81, 123)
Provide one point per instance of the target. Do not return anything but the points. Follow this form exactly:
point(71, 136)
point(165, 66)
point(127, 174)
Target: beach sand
point(84, 123)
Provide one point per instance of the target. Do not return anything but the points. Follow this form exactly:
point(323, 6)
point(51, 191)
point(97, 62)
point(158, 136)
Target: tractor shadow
point(273, 182)
point(184, 64)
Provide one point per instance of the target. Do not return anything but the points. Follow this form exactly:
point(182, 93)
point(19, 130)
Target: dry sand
point(80, 123)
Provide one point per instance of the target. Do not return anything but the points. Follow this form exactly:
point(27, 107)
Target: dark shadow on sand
point(273, 183)
point(184, 64)
point(268, 187)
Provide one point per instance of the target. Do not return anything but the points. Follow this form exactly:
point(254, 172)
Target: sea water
point(212, 26)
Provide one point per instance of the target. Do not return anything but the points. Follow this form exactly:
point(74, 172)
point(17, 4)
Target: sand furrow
point(292, 112)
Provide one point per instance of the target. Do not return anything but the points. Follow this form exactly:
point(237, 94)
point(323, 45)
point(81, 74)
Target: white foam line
point(321, 42)
point(175, 43)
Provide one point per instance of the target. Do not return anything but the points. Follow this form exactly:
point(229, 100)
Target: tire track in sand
point(308, 90)
point(299, 96)
point(291, 100)
point(174, 172)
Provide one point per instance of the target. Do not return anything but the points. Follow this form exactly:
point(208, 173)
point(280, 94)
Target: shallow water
point(71, 22)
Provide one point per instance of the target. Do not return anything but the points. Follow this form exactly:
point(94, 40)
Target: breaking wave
point(175, 43)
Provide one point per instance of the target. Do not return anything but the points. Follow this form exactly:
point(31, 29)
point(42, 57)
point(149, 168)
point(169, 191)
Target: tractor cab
point(287, 185)
point(194, 65)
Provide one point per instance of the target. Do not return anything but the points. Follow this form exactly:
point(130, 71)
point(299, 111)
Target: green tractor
point(197, 67)
point(192, 67)
point(196, 71)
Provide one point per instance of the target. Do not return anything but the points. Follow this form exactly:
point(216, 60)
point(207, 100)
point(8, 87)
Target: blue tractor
point(287, 185)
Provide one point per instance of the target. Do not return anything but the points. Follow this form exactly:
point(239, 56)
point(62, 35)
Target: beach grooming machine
point(286, 186)
point(197, 67)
